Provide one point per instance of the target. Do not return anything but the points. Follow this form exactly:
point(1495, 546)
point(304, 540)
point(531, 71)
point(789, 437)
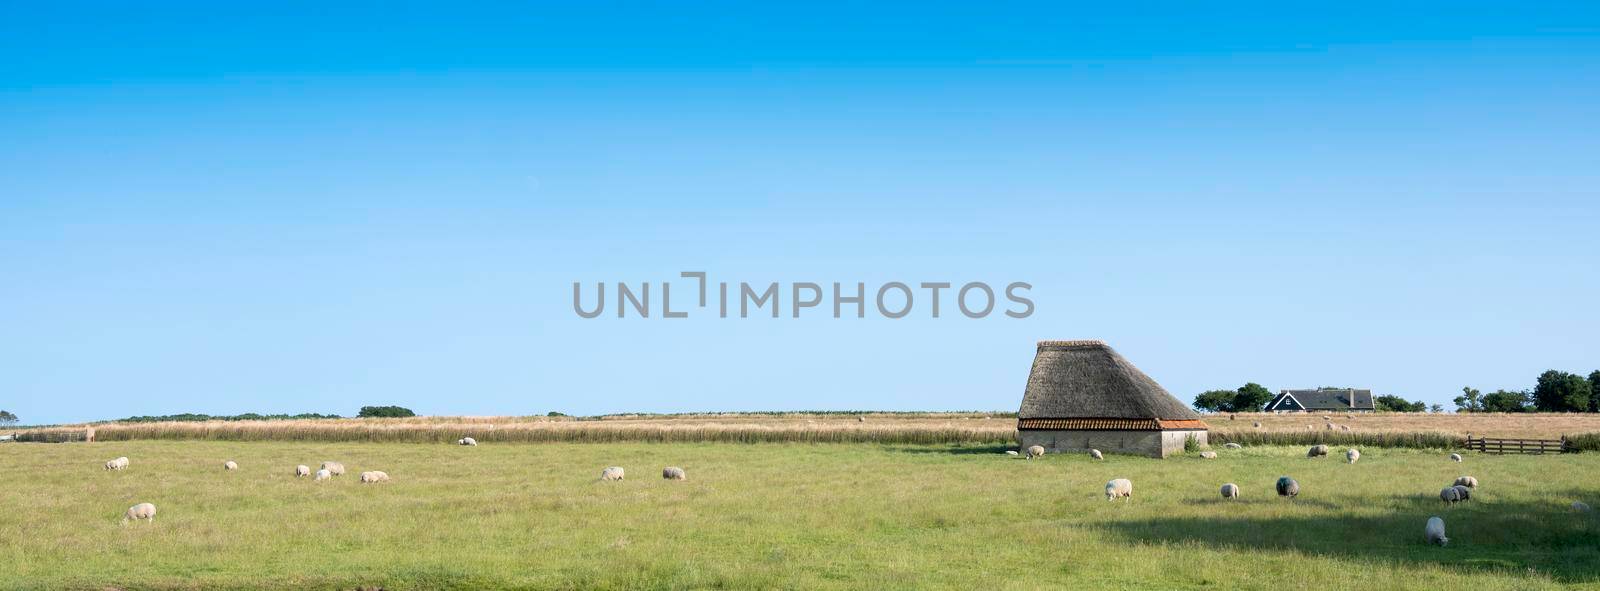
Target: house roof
point(1329, 399)
point(1089, 380)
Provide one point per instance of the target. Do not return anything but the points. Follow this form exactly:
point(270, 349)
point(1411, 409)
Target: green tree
point(385, 411)
point(1470, 400)
point(1392, 403)
point(1251, 397)
point(1594, 391)
point(1559, 391)
point(1437, 408)
point(1215, 400)
point(1503, 401)
point(6, 418)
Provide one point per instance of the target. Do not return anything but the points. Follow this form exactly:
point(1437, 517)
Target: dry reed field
point(1418, 430)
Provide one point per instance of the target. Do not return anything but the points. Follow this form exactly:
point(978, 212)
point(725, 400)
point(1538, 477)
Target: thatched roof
point(1089, 380)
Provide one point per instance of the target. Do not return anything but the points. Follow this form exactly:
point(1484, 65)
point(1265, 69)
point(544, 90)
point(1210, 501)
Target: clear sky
point(311, 207)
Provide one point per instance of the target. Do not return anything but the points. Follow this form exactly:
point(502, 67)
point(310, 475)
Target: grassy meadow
point(781, 516)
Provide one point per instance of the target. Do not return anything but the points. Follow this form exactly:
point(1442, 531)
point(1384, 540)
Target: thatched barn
point(1082, 395)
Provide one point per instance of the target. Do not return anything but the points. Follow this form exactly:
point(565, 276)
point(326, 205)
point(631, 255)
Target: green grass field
point(781, 516)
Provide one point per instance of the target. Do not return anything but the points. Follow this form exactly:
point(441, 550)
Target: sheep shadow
point(1515, 538)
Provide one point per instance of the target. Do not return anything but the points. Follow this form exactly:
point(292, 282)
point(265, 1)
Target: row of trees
point(1253, 397)
point(1555, 391)
point(1250, 397)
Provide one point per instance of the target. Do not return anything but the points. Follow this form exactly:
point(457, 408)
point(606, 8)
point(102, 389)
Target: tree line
point(1253, 397)
point(1554, 391)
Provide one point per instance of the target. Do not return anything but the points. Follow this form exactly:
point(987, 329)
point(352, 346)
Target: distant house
point(1322, 400)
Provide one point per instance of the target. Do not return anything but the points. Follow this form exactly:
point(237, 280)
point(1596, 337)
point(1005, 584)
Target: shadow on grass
point(1505, 538)
point(956, 449)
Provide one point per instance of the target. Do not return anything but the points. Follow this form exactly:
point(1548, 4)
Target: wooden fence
point(1520, 446)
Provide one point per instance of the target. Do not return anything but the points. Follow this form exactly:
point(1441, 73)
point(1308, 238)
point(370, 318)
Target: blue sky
point(215, 209)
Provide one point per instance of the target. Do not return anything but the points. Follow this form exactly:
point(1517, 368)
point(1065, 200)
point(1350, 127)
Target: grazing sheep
point(140, 511)
point(1580, 507)
point(1310, 428)
point(1345, 427)
point(334, 468)
point(1352, 417)
point(1035, 451)
point(1210, 455)
point(1231, 445)
point(1435, 531)
point(302, 471)
point(117, 464)
point(1119, 488)
point(673, 473)
point(1233, 417)
point(1230, 491)
point(1317, 451)
point(374, 476)
point(612, 473)
point(1455, 457)
point(1257, 424)
point(467, 441)
point(1095, 453)
point(1352, 455)
point(1466, 493)
point(229, 465)
point(1287, 487)
point(1011, 452)
point(1467, 481)
point(1450, 494)
point(864, 419)
point(322, 475)
point(1326, 418)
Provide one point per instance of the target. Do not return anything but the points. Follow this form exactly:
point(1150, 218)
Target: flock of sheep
point(147, 511)
point(1433, 531)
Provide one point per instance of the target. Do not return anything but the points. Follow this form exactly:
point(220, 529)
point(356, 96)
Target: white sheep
point(1467, 481)
point(673, 473)
point(1317, 451)
point(229, 465)
point(1345, 427)
point(322, 475)
point(1232, 445)
point(1011, 452)
point(333, 468)
point(1095, 453)
point(302, 471)
point(117, 464)
point(1455, 457)
point(374, 476)
point(140, 511)
point(1351, 455)
point(1210, 455)
point(1230, 491)
point(612, 473)
point(1435, 531)
point(1119, 488)
point(467, 441)
point(1035, 451)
